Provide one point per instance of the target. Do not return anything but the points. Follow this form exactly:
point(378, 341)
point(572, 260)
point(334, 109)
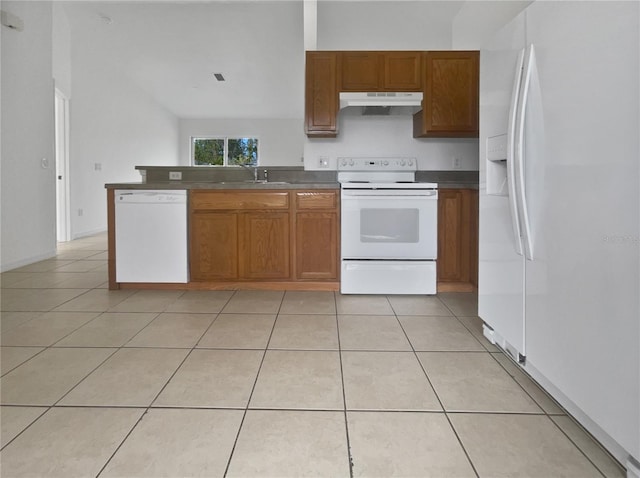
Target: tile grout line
point(255, 381)
point(148, 407)
point(344, 392)
point(444, 410)
point(549, 415)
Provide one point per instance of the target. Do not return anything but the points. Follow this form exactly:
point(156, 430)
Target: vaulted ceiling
point(172, 49)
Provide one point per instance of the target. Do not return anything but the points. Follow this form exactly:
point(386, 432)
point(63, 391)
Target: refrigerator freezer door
point(501, 268)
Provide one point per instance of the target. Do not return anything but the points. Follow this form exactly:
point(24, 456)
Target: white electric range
point(389, 223)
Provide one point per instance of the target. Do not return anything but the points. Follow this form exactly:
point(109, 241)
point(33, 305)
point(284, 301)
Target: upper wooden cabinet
point(360, 71)
point(380, 71)
point(321, 94)
point(451, 95)
point(449, 81)
point(401, 71)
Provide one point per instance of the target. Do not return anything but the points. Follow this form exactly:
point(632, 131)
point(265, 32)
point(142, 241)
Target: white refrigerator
point(559, 262)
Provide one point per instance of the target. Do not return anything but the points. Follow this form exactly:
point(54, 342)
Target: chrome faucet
point(249, 168)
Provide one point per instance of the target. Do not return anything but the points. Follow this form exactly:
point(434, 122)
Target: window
point(224, 151)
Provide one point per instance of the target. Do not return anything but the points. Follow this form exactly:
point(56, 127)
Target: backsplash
point(380, 136)
point(292, 174)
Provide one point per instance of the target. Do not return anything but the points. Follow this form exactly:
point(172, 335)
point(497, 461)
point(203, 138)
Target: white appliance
point(559, 262)
point(388, 227)
point(151, 236)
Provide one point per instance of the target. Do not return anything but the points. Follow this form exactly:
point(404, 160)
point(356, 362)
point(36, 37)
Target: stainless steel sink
point(251, 181)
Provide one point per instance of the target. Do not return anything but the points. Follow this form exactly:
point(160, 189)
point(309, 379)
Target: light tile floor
point(262, 383)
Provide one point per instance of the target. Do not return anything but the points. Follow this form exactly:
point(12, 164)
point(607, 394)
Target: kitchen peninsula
point(279, 233)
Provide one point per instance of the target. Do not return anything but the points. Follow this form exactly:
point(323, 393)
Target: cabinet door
point(360, 71)
point(450, 103)
point(457, 236)
point(316, 245)
point(321, 94)
point(264, 245)
point(402, 71)
point(214, 246)
point(450, 214)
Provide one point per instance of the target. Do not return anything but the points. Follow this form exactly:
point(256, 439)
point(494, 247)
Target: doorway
point(62, 167)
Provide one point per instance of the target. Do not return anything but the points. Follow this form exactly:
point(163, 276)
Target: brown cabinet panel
point(317, 245)
point(214, 246)
point(225, 200)
point(458, 236)
point(380, 71)
point(264, 236)
point(451, 92)
point(321, 94)
point(316, 200)
point(264, 250)
point(473, 238)
point(450, 225)
point(402, 71)
point(360, 71)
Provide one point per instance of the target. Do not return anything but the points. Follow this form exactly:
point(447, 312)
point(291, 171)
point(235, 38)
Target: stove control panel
point(377, 164)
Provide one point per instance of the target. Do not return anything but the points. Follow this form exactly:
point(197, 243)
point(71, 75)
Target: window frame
point(225, 156)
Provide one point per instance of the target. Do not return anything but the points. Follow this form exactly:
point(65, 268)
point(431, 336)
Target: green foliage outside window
point(225, 151)
point(208, 152)
point(243, 151)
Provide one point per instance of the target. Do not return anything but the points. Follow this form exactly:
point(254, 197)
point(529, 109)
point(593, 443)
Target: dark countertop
point(221, 185)
point(157, 177)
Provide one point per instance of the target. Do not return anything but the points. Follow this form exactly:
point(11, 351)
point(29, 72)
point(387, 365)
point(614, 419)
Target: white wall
point(116, 125)
point(28, 190)
point(385, 25)
point(61, 50)
point(476, 21)
point(280, 141)
point(379, 136)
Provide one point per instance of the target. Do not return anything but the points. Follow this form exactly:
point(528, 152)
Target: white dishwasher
point(151, 236)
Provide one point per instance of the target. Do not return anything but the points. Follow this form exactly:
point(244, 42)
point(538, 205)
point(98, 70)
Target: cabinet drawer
point(218, 200)
point(316, 200)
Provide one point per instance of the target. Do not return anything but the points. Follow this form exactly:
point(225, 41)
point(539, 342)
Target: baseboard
point(8, 266)
point(80, 235)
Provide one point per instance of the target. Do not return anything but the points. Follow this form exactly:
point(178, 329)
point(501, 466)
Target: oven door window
point(390, 225)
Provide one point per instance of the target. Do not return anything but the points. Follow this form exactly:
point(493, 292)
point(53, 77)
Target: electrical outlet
point(80, 212)
point(323, 161)
point(44, 163)
point(175, 175)
point(457, 164)
point(97, 166)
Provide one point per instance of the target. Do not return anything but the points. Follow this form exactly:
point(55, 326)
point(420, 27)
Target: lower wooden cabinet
point(214, 246)
point(457, 239)
point(264, 235)
point(264, 245)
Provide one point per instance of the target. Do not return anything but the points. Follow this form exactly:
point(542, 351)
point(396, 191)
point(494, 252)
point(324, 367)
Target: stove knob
point(343, 162)
point(402, 162)
point(385, 163)
point(351, 163)
point(410, 163)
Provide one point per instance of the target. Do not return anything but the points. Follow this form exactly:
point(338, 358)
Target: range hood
point(380, 99)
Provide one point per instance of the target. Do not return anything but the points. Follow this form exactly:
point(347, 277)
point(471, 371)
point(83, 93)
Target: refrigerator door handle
point(511, 140)
point(523, 210)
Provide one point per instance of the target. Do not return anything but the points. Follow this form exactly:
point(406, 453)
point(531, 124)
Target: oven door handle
point(375, 195)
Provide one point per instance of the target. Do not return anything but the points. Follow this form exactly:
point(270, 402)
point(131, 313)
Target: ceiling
point(172, 49)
